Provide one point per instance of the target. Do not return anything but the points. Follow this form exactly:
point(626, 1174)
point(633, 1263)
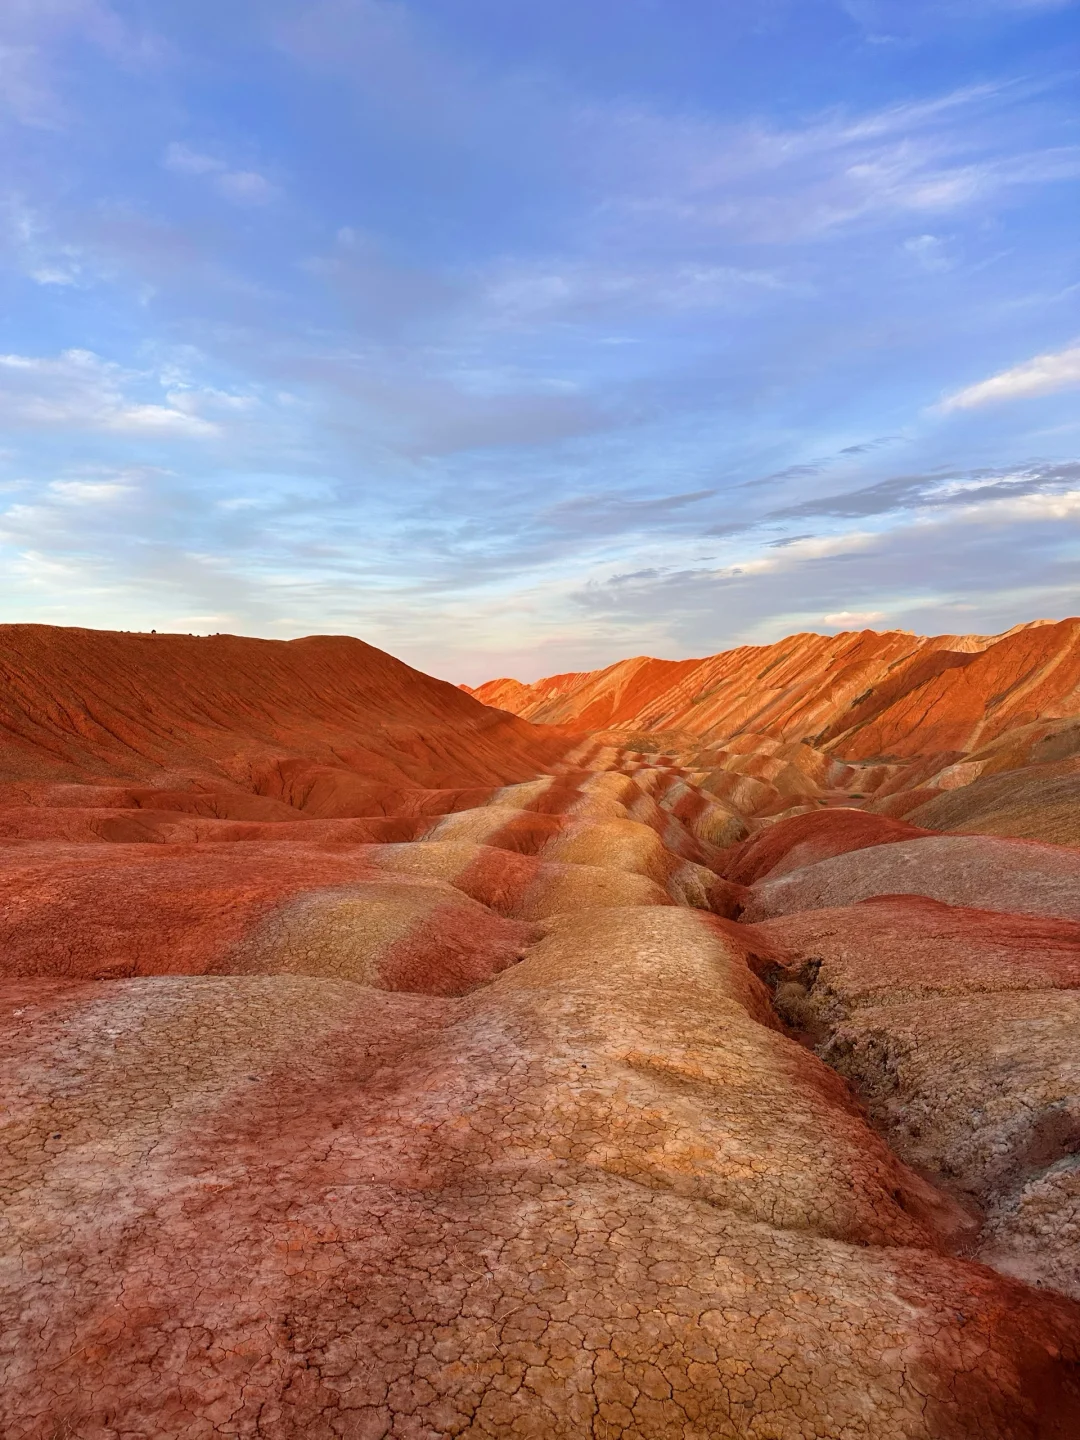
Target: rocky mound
point(1037, 802)
point(983, 871)
point(805, 839)
point(957, 1028)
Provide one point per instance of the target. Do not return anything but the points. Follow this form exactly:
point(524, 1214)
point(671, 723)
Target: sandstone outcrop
point(1036, 802)
point(982, 871)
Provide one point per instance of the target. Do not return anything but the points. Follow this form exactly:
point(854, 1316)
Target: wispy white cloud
point(246, 187)
point(185, 161)
point(90, 492)
point(1065, 505)
point(34, 250)
point(60, 519)
point(242, 187)
point(77, 390)
point(759, 181)
point(1043, 375)
point(929, 252)
point(845, 619)
point(577, 288)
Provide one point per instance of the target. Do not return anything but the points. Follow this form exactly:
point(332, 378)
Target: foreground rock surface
point(286, 1207)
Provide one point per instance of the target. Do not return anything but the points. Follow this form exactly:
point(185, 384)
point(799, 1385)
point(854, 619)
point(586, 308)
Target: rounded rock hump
point(806, 839)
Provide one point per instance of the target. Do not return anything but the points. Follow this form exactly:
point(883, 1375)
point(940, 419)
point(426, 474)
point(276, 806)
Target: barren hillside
point(893, 720)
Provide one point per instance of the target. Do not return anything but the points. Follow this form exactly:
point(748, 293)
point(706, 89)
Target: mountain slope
point(893, 716)
point(860, 692)
point(228, 712)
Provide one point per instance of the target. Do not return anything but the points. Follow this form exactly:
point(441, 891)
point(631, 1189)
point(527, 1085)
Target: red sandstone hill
point(321, 722)
point(864, 694)
point(893, 717)
point(378, 1065)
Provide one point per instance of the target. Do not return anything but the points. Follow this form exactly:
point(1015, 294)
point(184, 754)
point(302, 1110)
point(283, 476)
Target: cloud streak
point(77, 390)
point(936, 490)
point(1043, 375)
point(242, 187)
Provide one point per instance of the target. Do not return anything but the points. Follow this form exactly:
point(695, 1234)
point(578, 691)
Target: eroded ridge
point(971, 733)
point(429, 1097)
point(958, 1029)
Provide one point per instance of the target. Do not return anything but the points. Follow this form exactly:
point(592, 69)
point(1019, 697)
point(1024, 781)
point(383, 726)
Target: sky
point(519, 336)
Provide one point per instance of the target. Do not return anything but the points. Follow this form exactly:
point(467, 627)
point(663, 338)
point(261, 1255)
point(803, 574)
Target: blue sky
point(517, 336)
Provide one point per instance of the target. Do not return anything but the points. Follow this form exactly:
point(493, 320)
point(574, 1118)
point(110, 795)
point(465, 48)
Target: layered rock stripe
point(905, 722)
